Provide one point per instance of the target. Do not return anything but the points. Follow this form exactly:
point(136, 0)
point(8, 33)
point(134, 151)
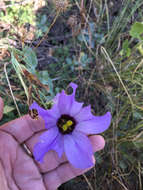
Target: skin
point(18, 169)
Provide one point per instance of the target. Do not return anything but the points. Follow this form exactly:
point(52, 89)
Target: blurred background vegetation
point(46, 44)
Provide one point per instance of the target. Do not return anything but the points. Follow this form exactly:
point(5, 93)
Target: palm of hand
point(19, 170)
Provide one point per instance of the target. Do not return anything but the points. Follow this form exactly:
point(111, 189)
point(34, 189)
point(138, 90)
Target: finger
point(23, 127)
point(19, 169)
point(26, 174)
point(1, 107)
point(97, 142)
point(51, 159)
point(63, 173)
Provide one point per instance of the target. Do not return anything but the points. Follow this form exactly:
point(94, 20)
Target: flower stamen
point(66, 124)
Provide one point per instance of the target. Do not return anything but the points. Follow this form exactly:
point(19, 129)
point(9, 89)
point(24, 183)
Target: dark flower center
point(66, 124)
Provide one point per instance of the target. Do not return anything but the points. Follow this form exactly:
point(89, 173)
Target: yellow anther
point(67, 125)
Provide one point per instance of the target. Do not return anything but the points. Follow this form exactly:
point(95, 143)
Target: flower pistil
point(66, 124)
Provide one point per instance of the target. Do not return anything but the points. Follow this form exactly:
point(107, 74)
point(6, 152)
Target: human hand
point(18, 169)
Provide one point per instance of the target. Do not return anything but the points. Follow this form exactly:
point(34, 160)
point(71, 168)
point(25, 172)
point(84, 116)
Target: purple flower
point(68, 125)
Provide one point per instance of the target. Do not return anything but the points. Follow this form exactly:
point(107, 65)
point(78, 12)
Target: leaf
point(122, 164)
point(125, 49)
point(18, 70)
point(126, 44)
point(44, 78)
point(8, 109)
point(43, 20)
point(30, 59)
point(140, 48)
point(34, 79)
point(137, 30)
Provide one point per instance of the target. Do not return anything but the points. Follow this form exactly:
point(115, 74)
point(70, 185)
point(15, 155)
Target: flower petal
point(67, 103)
point(56, 98)
point(78, 150)
point(47, 115)
point(84, 114)
point(58, 145)
point(96, 125)
point(49, 135)
point(74, 87)
point(64, 102)
point(44, 145)
point(54, 112)
point(75, 107)
point(40, 149)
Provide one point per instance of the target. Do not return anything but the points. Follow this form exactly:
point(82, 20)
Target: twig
point(48, 30)
point(125, 188)
point(89, 184)
point(140, 179)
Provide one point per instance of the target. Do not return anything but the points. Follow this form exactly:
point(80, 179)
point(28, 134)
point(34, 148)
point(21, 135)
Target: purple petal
point(96, 125)
point(44, 145)
point(64, 102)
point(56, 98)
point(74, 87)
point(49, 116)
point(75, 108)
point(78, 150)
point(40, 149)
point(54, 112)
point(67, 103)
point(48, 136)
point(84, 114)
point(58, 145)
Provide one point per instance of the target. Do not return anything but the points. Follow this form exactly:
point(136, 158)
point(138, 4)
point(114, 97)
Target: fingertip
point(65, 172)
point(97, 142)
point(23, 128)
point(1, 107)
point(35, 124)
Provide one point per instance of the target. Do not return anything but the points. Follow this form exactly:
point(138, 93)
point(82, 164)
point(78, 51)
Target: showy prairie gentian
point(68, 125)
